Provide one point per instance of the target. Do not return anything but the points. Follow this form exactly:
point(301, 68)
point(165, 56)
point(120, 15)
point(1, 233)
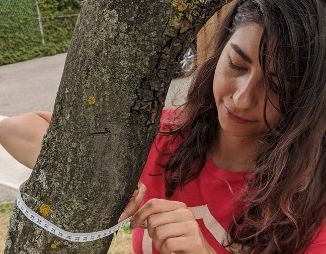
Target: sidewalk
point(30, 86)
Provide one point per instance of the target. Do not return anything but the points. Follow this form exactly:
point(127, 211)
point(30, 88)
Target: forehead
point(247, 37)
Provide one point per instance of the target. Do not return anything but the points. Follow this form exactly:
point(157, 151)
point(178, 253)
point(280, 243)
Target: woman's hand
point(134, 202)
point(172, 226)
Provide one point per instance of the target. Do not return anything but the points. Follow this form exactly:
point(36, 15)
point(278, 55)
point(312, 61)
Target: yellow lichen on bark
point(91, 100)
point(54, 246)
point(45, 210)
point(180, 5)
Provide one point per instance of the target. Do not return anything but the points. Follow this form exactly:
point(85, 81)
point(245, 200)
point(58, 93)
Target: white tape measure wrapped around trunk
point(53, 229)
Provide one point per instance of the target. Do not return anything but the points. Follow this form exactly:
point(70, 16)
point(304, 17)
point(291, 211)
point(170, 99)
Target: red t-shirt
point(212, 196)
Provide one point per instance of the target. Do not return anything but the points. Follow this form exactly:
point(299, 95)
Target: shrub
point(20, 37)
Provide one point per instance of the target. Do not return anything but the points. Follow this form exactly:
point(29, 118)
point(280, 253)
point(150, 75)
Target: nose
point(247, 93)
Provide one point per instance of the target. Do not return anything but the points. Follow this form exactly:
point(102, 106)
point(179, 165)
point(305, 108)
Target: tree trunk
point(122, 58)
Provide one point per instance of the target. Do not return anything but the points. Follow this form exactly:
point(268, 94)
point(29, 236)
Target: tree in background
point(121, 60)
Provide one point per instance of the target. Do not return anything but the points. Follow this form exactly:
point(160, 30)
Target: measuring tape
point(55, 230)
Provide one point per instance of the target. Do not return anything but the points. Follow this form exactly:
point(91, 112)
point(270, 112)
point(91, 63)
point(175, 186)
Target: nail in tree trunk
point(122, 58)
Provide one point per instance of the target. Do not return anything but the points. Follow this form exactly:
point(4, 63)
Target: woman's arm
point(22, 135)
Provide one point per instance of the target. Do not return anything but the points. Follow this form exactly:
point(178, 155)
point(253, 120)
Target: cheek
point(272, 114)
point(216, 91)
point(219, 85)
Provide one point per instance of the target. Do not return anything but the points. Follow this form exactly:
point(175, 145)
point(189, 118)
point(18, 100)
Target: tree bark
point(122, 58)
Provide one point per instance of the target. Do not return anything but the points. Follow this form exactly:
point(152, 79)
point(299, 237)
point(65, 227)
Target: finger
point(172, 230)
point(154, 206)
point(158, 219)
point(138, 185)
point(134, 203)
point(175, 245)
point(183, 244)
point(141, 188)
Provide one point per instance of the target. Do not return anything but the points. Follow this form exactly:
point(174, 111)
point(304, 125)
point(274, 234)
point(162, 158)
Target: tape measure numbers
point(55, 230)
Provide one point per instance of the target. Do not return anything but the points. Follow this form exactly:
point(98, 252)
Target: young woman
point(240, 168)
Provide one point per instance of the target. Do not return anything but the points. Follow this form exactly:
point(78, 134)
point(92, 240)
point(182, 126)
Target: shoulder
point(318, 244)
point(171, 119)
point(168, 138)
point(164, 143)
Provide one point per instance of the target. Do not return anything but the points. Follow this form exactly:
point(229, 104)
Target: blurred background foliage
point(22, 23)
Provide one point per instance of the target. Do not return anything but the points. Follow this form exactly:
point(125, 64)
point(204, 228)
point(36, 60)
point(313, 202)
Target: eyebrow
point(237, 49)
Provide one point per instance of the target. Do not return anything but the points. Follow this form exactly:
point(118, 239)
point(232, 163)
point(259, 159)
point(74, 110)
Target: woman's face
point(238, 86)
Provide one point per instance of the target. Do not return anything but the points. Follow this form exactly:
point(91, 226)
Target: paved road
point(30, 86)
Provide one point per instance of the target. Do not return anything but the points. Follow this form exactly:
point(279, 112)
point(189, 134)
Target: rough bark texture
point(122, 58)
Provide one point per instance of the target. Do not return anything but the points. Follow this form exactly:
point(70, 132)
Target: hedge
point(20, 36)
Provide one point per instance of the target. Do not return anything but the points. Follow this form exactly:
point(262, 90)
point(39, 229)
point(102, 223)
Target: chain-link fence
point(33, 28)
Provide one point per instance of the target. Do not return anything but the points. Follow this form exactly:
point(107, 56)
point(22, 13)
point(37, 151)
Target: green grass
point(5, 212)
point(126, 229)
point(6, 208)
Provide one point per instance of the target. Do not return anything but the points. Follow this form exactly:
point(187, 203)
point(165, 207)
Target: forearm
point(22, 135)
point(45, 115)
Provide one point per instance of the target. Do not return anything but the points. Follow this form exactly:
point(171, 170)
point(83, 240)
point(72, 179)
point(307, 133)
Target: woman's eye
point(236, 66)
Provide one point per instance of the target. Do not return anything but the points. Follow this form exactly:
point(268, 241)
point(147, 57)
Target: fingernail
point(122, 217)
point(144, 225)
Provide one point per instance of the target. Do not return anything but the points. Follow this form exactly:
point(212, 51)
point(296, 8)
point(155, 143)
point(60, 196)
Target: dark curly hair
point(285, 201)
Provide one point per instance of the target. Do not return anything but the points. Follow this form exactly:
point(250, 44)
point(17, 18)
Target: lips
point(236, 118)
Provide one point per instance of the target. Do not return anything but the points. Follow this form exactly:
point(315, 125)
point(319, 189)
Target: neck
point(233, 153)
